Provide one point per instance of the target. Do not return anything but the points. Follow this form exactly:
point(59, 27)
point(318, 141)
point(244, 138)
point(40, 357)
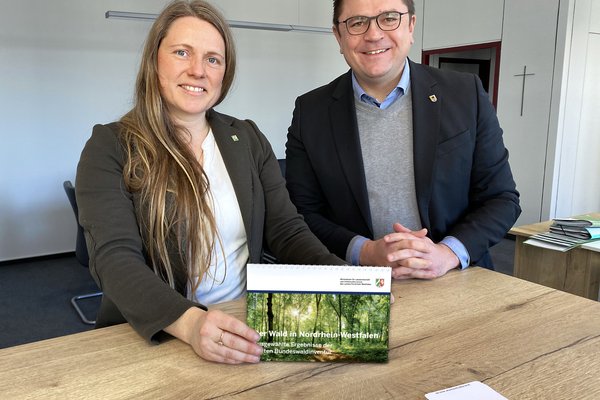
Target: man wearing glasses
point(395, 163)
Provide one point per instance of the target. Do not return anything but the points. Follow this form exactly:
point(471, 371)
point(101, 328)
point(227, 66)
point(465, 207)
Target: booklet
point(567, 233)
point(325, 313)
point(580, 221)
point(581, 227)
point(578, 233)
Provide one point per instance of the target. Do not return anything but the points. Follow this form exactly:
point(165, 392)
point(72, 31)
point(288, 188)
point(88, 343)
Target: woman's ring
point(220, 342)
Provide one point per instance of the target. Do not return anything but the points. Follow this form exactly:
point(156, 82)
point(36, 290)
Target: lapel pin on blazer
point(433, 98)
point(235, 138)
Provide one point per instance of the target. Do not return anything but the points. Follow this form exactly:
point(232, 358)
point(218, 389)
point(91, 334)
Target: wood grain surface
point(524, 340)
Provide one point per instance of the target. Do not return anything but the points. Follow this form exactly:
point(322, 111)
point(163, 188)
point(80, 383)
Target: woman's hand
point(216, 336)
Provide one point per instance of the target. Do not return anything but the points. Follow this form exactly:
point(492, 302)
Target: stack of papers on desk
point(583, 227)
point(567, 233)
point(553, 241)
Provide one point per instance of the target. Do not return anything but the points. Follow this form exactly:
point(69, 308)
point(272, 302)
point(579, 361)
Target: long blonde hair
point(160, 166)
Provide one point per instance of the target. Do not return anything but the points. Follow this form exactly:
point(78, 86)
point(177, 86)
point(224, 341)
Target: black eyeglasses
point(386, 21)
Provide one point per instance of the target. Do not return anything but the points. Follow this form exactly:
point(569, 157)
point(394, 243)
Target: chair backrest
point(81, 252)
point(281, 162)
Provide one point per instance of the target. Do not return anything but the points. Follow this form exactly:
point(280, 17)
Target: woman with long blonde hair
point(176, 198)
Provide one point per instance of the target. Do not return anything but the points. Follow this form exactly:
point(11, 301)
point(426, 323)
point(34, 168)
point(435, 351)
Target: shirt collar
point(397, 92)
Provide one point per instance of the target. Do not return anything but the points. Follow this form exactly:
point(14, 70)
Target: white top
point(223, 281)
point(319, 278)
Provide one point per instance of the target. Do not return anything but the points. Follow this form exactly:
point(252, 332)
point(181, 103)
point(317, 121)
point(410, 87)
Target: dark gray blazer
point(464, 184)
point(107, 212)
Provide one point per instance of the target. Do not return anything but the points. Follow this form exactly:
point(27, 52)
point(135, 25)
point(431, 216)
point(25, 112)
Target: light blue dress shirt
point(353, 253)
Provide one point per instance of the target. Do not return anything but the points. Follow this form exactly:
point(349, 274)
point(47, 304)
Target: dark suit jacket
point(108, 213)
point(464, 185)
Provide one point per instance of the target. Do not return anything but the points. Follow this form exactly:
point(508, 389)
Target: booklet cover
point(320, 312)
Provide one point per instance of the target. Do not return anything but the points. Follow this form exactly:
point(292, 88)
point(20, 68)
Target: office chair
point(81, 252)
point(281, 162)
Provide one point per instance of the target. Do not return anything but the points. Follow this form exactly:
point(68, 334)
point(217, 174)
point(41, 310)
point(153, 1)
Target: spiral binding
point(321, 267)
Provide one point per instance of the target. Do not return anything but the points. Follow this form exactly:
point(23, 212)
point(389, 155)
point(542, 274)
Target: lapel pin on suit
point(235, 138)
point(433, 98)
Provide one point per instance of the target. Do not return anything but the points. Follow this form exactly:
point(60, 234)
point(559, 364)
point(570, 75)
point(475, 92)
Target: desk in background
point(524, 340)
point(576, 271)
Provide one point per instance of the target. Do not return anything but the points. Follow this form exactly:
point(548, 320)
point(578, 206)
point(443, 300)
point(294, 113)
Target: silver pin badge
point(433, 98)
point(235, 138)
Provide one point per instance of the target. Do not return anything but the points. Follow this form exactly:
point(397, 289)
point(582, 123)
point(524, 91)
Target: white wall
point(64, 67)
point(461, 22)
point(528, 39)
point(586, 197)
point(576, 187)
point(417, 48)
point(275, 68)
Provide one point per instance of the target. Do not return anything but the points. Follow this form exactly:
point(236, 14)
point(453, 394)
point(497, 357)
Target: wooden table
point(526, 341)
point(576, 271)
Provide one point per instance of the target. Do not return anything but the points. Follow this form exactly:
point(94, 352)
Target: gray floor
point(35, 299)
point(35, 295)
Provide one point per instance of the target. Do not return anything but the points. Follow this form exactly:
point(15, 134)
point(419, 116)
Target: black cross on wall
point(524, 75)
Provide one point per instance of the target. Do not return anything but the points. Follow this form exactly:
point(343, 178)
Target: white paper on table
point(469, 391)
